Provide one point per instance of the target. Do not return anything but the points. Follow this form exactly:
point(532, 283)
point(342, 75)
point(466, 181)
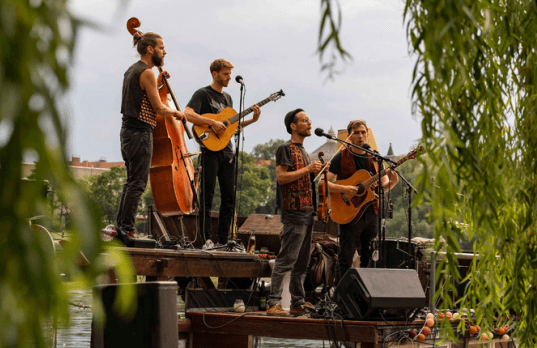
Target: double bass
point(172, 174)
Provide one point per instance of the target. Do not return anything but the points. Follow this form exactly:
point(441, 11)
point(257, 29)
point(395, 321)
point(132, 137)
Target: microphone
point(366, 146)
point(320, 133)
point(239, 79)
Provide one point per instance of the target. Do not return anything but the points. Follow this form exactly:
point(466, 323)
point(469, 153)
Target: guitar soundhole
point(358, 199)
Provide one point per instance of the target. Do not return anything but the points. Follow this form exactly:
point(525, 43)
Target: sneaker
point(208, 244)
point(301, 309)
point(132, 234)
point(108, 233)
point(277, 311)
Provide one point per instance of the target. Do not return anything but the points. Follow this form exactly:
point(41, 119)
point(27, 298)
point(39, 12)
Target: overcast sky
point(272, 44)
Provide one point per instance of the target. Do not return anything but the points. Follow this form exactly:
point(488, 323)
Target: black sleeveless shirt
point(138, 114)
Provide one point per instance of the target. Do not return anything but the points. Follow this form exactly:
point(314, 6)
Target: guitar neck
point(375, 177)
point(236, 117)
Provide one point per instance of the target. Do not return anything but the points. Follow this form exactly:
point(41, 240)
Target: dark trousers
point(217, 165)
point(294, 256)
point(136, 150)
point(357, 237)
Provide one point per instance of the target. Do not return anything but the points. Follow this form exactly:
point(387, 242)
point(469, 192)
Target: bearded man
point(216, 164)
point(140, 105)
point(296, 198)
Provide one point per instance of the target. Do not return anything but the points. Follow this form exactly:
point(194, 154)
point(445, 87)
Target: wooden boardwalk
point(238, 330)
point(197, 263)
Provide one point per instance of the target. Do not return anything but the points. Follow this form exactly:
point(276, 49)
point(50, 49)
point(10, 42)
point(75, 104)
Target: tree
point(36, 45)
point(253, 187)
point(105, 191)
point(267, 151)
point(256, 185)
point(474, 89)
point(421, 224)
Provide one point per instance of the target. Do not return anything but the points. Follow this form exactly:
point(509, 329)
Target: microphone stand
point(382, 229)
point(237, 149)
point(409, 190)
point(379, 158)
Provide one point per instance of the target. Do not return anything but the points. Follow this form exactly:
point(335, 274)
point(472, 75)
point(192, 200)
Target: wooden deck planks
point(197, 263)
point(280, 327)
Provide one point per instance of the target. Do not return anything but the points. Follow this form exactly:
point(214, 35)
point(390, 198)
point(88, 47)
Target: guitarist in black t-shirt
point(216, 164)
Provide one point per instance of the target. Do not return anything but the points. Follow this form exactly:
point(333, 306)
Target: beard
point(305, 133)
point(157, 60)
point(222, 82)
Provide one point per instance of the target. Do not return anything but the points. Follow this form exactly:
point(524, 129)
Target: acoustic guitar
point(216, 142)
point(350, 209)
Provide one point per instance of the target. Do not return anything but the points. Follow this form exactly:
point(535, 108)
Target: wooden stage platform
point(197, 263)
point(238, 330)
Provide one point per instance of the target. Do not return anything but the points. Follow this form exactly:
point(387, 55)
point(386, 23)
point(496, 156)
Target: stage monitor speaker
point(154, 325)
point(373, 293)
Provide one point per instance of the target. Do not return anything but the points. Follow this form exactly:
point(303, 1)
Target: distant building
point(262, 162)
point(79, 169)
point(101, 163)
point(390, 154)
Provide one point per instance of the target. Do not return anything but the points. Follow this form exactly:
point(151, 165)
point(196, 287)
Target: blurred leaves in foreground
point(36, 46)
point(474, 88)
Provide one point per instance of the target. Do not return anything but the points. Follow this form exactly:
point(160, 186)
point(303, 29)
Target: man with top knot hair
point(140, 105)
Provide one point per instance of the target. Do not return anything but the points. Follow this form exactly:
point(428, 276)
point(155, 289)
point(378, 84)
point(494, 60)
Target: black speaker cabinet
point(154, 324)
point(376, 293)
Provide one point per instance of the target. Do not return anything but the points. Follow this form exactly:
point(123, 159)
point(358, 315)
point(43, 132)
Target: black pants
point(217, 165)
point(357, 237)
point(136, 150)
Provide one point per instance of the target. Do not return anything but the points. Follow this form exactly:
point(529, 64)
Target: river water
point(78, 332)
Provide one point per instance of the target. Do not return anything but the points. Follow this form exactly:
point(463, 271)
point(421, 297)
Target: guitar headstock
point(277, 95)
point(412, 154)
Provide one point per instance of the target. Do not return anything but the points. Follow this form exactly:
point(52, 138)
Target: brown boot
point(301, 309)
point(277, 311)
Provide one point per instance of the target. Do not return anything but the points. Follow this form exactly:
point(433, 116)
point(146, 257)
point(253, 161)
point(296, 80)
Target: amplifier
point(379, 293)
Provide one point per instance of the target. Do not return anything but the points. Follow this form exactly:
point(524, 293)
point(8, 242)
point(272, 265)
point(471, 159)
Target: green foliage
point(254, 186)
point(36, 45)
point(267, 151)
point(474, 87)
point(147, 200)
point(105, 191)
point(421, 224)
